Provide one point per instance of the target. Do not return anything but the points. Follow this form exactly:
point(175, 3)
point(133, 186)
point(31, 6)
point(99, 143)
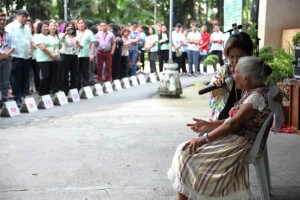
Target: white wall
point(276, 16)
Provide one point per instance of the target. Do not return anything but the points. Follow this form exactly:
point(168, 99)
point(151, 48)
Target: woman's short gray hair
point(255, 69)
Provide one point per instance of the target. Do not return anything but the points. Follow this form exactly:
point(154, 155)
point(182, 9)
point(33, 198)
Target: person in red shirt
point(203, 46)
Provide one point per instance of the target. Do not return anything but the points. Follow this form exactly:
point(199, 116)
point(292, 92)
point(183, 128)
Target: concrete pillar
point(274, 17)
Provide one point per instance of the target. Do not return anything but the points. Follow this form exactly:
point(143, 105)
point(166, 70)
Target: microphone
point(235, 28)
point(227, 81)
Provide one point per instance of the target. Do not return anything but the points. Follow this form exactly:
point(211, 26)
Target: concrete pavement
point(119, 152)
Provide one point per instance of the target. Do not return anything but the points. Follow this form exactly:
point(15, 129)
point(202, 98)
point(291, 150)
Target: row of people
point(65, 57)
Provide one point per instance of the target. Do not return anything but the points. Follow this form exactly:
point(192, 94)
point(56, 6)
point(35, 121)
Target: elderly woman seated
point(214, 166)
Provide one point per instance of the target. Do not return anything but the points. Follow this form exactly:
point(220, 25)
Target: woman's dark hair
point(74, 28)
point(40, 25)
point(115, 29)
point(94, 29)
point(89, 23)
point(150, 27)
point(241, 41)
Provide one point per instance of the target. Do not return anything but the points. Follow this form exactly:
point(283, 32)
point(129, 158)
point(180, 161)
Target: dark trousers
point(116, 65)
point(183, 60)
point(163, 57)
point(152, 59)
point(142, 58)
point(5, 70)
point(36, 74)
point(124, 67)
point(107, 58)
point(83, 72)
point(49, 80)
point(219, 53)
point(19, 77)
point(176, 60)
point(69, 66)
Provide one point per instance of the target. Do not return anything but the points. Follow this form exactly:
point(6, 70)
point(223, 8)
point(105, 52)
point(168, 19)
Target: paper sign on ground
point(73, 95)
point(141, 79)
point(107, 87)
point(10, 109)
point(152, 78)
point(45, 102)
point(133, 81)
point(117, 85)
point(86, 92)
point(125, 83)
point(29, 105)
point(60, 99)
point(97, 90)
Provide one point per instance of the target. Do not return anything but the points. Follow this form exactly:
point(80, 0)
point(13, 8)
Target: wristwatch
point(205, 135)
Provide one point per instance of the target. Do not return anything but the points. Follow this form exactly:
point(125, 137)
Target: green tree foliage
point(124, 11)
point(39, 9)
point(279, 60)
point(11, 5)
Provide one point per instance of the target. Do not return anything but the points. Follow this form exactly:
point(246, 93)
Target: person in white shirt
point(193, 39)
point(216, 40)
point(21, 57)
point(151, 46)
point(69, 57)
point(177, 41)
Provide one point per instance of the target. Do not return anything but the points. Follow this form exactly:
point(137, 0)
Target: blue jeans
point(19, 77)
point(201, 59)
point(133, 55)
point(193, 57)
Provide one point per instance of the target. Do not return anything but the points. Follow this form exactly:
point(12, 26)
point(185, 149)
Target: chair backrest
point(257, 143)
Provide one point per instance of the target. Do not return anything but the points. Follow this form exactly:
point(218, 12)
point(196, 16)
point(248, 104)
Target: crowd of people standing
point(50, 56)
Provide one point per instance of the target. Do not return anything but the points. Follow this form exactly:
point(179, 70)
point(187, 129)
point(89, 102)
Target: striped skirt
point(218, 170)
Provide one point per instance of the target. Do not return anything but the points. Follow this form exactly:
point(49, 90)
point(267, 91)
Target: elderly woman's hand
point(199, 126)
point(193, 144)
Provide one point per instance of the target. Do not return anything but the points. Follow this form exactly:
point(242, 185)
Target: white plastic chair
point(261, 163)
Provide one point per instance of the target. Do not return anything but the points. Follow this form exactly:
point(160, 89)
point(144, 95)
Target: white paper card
point(108, 87)
point(117, 85)
point(29, 105)
point(160, 76)
point(86, 93)
point(98, 90)
point(133, 81)
point(10, 109)
point(152, 78)
point(60, 99)
point(73, 95)
point(125, 83)
point(46, 102)
point(141, 79)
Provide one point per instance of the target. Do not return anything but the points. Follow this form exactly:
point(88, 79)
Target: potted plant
point(296, 39)
point(282, 66)
point(211, 60)
point(280, 61)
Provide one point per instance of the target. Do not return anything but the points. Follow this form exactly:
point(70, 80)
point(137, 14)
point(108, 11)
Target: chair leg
point(266, 160)
point(262, 179)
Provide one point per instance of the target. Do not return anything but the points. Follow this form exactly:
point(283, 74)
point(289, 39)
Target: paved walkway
point(120, 152)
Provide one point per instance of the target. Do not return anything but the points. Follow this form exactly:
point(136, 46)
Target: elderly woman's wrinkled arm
point(201, 125)
point(245, 113)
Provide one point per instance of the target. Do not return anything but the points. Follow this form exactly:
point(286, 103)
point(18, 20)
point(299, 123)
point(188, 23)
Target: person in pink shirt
point(125, 52)
point(106, 49)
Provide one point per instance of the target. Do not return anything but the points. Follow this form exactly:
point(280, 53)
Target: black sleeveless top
point(233, 98)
